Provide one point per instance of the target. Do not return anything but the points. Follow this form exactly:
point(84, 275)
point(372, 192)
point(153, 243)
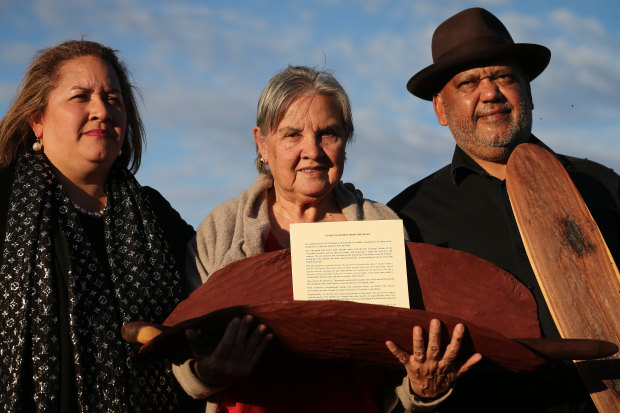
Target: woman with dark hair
point(84, 247)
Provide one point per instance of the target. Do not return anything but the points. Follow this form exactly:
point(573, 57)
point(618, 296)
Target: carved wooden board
point(452, 282)
point(456, 286)
point(343, 330)
point(575, 270)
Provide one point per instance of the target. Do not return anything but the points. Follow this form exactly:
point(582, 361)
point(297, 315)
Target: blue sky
point(201, 65)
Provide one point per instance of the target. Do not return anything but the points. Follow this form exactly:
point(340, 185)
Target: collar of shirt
point(463, 165)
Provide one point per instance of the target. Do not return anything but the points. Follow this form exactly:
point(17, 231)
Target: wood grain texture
point(343, 330)
point(453, 282)
point(575, 270)
point(456, 286)
point(465, 286)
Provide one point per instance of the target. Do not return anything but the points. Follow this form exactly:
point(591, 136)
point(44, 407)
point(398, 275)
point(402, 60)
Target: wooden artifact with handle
point(571, 261)
point(499, 312)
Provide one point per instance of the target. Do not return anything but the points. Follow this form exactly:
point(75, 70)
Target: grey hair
point(285, 88)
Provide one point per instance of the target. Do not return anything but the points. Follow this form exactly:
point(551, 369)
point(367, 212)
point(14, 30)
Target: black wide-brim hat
point(473, 36)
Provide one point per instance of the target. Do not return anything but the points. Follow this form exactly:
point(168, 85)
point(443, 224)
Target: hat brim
point(532, 58)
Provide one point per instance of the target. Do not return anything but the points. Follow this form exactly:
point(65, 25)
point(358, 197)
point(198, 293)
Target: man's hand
point(234, 357)
point(431, 371)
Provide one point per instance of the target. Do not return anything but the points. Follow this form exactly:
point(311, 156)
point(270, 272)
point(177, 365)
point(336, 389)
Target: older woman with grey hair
point(304, 124)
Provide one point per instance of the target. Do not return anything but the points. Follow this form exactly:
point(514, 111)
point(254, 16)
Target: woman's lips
point(314, 169)
point(100, 133)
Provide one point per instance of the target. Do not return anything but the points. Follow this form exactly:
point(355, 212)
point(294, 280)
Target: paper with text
point(362, 261)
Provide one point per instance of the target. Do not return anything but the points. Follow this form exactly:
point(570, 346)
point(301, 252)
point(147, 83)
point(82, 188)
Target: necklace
point(94, 214)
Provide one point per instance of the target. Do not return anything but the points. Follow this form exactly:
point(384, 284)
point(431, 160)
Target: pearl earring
point(36, 146)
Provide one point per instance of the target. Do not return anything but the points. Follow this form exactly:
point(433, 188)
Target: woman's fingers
point(258, 349)
point(255, 339)
point(400, 354)
point(476, 357)
point(434, 340)
point(432, 370)
point(238, 346)
point(451, 354)
point(419, 347)
point(235, 355)
point(455, 343)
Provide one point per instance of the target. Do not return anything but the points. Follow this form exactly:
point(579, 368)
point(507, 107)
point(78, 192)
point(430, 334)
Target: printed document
point(362, 261)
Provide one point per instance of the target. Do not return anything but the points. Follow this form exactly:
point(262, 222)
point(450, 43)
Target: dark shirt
point(464, 208)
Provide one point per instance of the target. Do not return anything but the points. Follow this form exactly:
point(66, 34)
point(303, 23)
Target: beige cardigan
point(237, 229)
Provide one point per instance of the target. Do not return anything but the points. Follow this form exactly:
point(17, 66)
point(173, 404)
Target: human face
point(83, 126)
point(306, 151)
point(488, 110)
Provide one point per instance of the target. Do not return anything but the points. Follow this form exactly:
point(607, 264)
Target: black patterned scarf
point(138, 282)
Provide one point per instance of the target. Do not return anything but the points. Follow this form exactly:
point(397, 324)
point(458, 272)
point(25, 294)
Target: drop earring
point(37, 146)
point(264, 164)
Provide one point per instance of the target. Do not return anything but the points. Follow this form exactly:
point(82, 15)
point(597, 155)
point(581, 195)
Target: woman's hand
point(234, 356)
point(431, 371)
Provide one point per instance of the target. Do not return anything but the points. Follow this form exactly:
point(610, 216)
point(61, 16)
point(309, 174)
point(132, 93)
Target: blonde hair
point(286, 87)
point(41, 78)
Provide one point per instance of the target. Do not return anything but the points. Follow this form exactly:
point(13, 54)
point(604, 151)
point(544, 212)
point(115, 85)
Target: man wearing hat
point(479, 84)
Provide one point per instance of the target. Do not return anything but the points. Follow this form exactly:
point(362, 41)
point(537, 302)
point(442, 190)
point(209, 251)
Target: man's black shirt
point(464, 208)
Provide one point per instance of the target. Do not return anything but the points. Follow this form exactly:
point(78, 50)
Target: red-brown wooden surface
point(452, 282)
point(343, 330)
point(465, 286)
point(572, 263)
point(457, 287)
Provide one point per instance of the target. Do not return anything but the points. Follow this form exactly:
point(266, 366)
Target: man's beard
point(496, 148)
